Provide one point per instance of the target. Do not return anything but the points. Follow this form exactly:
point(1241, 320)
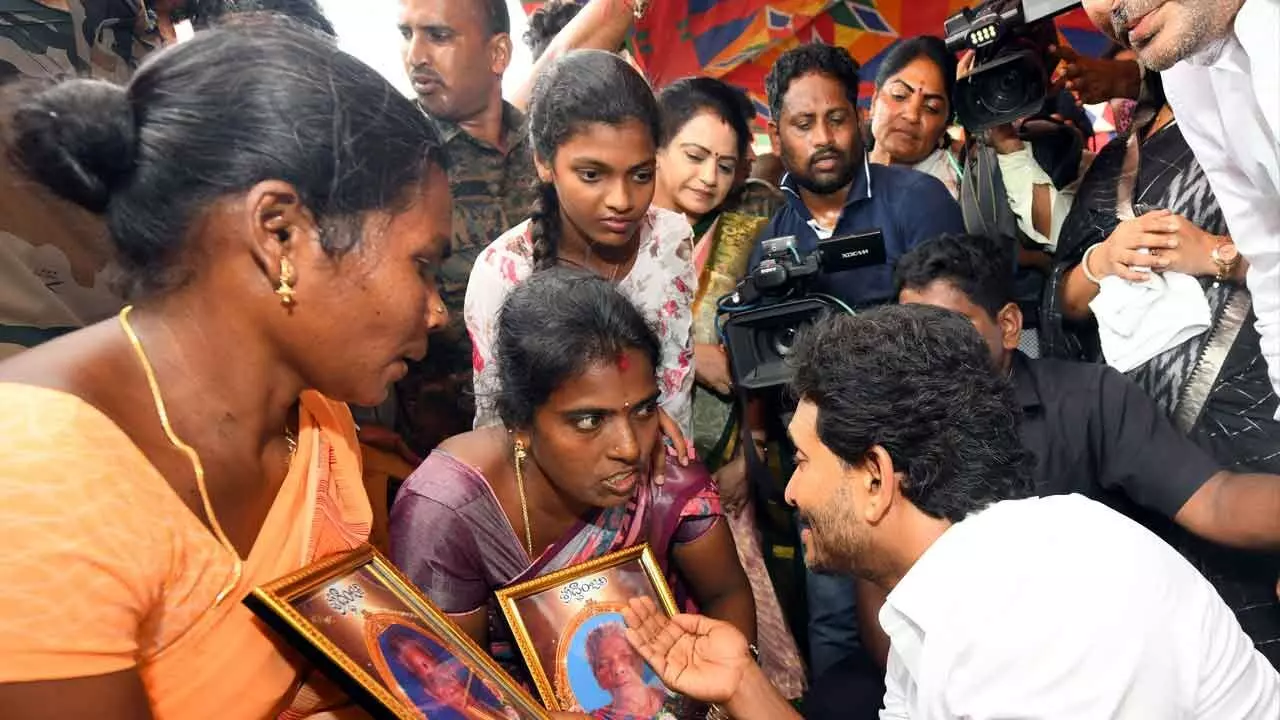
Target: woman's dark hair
point(307, 12)
point(552, 328)
point(214, 116)
point(578, 89)
point(684, 99)
point(546, 22)
point(917, 381)
point(928, 47)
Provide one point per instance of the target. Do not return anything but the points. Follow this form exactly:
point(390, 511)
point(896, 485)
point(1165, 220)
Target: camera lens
point(1005, 91)
point(784, 340)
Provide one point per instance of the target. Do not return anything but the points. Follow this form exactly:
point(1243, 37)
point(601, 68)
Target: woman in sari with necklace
point(267, 195)
point(567, 477)
point(1145, 213)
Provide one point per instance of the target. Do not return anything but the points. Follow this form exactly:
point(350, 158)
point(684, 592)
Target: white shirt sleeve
point(1252, 220)
point(895, 697)
point(1021, 173)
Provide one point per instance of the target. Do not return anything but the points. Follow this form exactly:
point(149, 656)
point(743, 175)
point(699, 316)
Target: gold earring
point(520, 452)
point(285, 290)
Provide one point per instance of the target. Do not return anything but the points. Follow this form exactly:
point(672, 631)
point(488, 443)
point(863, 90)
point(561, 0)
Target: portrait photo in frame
point(397, 656)
point(569, 628)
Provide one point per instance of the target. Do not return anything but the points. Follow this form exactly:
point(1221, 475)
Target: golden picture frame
point(369, 629)
point(568, 627)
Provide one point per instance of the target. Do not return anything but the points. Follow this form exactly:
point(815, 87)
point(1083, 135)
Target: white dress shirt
point(1060, 608)
point(1227, 102)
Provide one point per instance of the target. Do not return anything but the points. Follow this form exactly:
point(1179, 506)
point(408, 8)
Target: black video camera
point(774, 301)
point(1010, 77)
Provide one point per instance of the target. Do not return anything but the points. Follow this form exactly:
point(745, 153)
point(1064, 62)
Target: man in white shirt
point(911, 473)
point(1220, 62)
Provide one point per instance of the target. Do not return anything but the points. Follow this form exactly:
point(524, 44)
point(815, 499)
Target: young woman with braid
point(595, 127)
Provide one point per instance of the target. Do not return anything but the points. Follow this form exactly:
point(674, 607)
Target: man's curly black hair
point(917, 381)
point(834, 62)
point(546, 22)
point(979, 266)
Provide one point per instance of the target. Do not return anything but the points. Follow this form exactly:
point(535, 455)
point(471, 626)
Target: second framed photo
point(569, 627)
point(395, 653)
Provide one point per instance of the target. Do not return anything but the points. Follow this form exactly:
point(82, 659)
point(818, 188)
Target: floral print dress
point(660, 284)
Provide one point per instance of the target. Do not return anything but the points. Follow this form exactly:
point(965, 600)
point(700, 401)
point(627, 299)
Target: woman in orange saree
point(267, 195)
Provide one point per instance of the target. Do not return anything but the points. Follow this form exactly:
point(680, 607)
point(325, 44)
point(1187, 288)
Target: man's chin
point(825, 184)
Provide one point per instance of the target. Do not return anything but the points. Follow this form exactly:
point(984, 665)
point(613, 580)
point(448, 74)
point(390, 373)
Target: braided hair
point(578, 89)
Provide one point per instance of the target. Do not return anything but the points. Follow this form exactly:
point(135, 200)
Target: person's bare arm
point(115, 696)
point(716, 579)
point(475, 624)
point(757, 699)
point(600, 25)
point(1236, 509)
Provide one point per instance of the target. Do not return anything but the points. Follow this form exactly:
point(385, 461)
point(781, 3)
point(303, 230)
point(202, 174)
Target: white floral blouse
point(661, 284)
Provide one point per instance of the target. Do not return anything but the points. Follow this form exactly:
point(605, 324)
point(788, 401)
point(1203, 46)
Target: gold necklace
point(520, 455)
point(237, 567)
point(613, 275)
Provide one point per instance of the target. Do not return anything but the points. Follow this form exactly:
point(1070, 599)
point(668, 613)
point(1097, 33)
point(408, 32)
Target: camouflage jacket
point(55, 258)
point(492, 192)
point(104, 39)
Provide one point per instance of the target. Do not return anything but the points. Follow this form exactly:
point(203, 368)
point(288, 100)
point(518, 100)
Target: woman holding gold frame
point(568, 478)
point(270, 198)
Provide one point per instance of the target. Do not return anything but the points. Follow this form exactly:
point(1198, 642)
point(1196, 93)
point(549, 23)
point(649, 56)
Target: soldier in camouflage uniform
point(455, 53)
point(54, 257)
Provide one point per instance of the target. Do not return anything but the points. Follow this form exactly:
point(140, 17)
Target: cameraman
point(831, 188)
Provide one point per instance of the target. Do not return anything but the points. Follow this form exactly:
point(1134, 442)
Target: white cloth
point(1021, 173)
point(941, 164)
point(1227, 101)
point(1060, 608)
point(1139, 320)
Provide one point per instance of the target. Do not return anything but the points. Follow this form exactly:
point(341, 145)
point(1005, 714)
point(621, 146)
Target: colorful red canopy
point(738, 40)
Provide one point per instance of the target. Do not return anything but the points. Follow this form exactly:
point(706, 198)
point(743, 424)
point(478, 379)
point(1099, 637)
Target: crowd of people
point(258, 308)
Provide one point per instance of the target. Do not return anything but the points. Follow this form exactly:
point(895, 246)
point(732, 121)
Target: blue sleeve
point(927, 210)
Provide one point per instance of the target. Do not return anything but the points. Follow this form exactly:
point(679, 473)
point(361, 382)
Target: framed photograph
point(569, 627)
point(369, 629)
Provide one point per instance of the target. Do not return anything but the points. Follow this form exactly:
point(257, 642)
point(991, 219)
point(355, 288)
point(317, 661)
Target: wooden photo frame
point(373, 633)
point(568, 626)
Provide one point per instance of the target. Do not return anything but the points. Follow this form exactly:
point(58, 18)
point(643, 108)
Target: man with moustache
point(1220, 63)
point(912, 474)
point(455, 52)
point(831, 188)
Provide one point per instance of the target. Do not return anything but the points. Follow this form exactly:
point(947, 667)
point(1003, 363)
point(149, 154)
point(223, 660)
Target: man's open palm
point(695, 656)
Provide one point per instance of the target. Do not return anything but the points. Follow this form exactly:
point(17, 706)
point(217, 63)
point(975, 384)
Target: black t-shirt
point(1095, 432)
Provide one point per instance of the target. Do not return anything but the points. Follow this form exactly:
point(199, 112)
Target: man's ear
point(775, 142)
point(1010, 321)
point(499, 53)
point(880, 483)
point(280, 227)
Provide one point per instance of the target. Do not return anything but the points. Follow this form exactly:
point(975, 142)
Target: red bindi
point(624, 362)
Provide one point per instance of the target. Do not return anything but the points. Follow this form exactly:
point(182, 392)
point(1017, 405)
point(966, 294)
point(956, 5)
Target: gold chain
point(524, 503)
point(237, 568)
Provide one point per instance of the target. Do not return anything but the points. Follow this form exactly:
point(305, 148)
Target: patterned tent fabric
point(738, 40)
